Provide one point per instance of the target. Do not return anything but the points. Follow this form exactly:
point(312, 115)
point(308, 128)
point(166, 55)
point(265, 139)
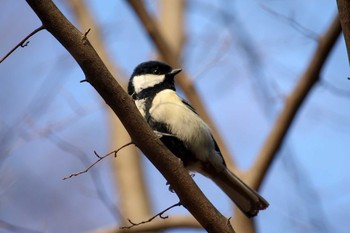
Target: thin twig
point(84, 38)
point(292, 22)
point(23, 43)
point(99, 159)
point(160, 214)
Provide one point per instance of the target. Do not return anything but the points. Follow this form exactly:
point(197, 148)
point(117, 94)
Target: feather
point(246, 199)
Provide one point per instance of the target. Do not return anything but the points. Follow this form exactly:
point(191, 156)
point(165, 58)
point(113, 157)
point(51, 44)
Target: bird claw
point(160, 134)
point(171, 188)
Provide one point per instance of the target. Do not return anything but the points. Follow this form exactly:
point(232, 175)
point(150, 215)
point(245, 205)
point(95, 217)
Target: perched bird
point(186, 135)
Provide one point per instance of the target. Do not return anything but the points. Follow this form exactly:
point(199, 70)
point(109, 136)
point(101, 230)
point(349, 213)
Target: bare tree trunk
point(171, 24)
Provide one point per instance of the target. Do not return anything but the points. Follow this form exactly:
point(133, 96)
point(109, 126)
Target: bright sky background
point(44, 110)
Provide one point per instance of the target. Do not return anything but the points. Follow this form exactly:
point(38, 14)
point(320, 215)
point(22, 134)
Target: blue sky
point(45, 110)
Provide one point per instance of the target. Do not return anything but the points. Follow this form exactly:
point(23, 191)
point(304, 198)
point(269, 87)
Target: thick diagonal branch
point(101, 79)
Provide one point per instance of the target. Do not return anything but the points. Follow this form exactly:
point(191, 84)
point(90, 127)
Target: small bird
point(187, 136)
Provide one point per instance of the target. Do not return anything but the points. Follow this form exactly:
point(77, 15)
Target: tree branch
point(23, 43)
point(293, 104)
point(101, 79)
point(257, 172)
point(97, 161)
point(175, 222)
point(160, 215)
point(344, 17)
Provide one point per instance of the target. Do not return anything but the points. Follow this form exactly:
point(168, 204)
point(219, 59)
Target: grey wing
point(189, 106)
point(217, 149)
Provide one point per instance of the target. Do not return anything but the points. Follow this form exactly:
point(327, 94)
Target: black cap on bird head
point(153, 70)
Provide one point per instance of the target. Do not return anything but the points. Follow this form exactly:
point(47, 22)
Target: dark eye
point(156, 71)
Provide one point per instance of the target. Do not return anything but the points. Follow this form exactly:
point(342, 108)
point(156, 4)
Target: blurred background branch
point(344, 16)
point(245, 61)
point(293, 103)
point(258, 172)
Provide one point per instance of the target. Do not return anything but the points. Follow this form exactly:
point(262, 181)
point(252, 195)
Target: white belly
point(167, 107)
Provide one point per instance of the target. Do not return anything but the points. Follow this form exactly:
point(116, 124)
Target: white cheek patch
point(145, 81)
point(140, 104)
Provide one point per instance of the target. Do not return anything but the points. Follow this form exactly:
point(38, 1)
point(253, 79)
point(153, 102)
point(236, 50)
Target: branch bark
point(102, 80)
point(344, 17)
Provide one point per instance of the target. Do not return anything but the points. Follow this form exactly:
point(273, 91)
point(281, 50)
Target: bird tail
point(246, 199)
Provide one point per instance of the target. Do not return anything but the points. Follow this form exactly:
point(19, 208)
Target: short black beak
point(175, 71)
